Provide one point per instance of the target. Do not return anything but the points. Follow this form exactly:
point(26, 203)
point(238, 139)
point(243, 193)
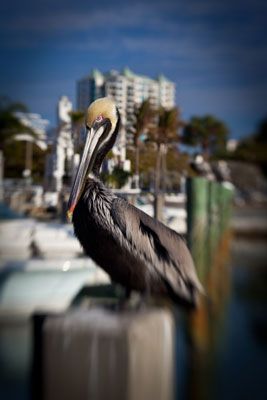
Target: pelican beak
point(86, 165)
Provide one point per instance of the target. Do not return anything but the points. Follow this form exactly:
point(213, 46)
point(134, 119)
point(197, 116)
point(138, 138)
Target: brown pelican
point(136, 251)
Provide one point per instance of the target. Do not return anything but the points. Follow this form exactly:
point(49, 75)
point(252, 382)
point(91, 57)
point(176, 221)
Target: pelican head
point(102, 124)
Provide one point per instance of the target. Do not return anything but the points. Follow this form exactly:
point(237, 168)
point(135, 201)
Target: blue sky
point(215, 51)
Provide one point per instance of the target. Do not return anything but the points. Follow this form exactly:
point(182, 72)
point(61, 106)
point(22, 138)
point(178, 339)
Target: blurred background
point(189, 79)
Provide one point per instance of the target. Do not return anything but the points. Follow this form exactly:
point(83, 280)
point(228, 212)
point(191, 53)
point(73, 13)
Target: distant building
point(37, 124)
point(90, 88)
point(128, 90)
point(60, 160)
point(64, 108)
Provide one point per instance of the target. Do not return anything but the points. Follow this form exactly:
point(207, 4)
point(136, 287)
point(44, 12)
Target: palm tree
point(10, 125)
point(143, 116)
point(164, 134)
point(13, 131)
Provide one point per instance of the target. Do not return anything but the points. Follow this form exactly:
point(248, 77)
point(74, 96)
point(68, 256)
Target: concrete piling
point(100, 354)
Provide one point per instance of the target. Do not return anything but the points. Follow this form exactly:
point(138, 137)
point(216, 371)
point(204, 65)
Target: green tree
point(143, 116)
point(165, 134)
point(177, 165)
point(208, 132)
point(15, 160)
point(10, 125)
point(14, 151)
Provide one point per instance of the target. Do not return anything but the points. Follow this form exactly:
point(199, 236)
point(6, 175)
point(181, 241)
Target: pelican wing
point(163, 249)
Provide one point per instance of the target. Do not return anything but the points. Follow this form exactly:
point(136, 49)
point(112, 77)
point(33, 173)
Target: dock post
point(100, 354)
point(214, 217)
point(197, 222)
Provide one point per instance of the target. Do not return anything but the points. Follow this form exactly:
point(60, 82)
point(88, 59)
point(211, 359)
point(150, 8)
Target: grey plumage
point(135, 249)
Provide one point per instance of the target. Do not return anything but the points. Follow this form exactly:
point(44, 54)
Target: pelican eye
point(99, 118)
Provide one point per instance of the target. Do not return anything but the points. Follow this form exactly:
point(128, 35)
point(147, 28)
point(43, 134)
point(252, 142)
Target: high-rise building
point(128, 90)
point(90, 88)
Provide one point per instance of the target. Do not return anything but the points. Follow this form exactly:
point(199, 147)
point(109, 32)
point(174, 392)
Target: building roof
point(128, 73)
point(162, 78)
point(96, 74)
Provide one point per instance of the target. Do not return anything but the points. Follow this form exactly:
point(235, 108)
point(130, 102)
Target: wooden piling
point(214, 216)
point(197, 221)
point(208, 216)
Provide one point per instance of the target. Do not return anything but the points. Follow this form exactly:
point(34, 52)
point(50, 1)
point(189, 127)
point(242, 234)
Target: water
point(222, 354)
point(15, 359)
point(221, 350)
